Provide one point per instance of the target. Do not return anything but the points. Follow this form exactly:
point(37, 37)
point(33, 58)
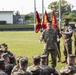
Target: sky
point(27, 6)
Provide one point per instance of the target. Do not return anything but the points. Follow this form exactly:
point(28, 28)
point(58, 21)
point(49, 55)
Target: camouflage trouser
point(59, 52)
point(75, 45)
point(68, 47)
point(53, 53)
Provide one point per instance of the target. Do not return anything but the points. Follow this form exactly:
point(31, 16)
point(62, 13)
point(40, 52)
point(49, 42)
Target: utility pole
point(42, 9)
point(60, 25)
point(34, 14)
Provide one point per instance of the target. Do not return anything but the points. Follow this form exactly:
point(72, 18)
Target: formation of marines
point(9, 65)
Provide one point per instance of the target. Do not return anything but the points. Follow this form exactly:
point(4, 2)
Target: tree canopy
point(65, 6)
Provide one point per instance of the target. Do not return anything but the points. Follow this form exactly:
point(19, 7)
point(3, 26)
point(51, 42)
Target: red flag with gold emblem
point(45, 20)
point(38, 23)
point(54, 20)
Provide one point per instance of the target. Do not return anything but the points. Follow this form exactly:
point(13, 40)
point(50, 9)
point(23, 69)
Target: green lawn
point(25, 43)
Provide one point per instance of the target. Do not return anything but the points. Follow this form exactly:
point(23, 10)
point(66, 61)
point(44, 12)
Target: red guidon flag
point(38, 23)
point(54, 20)
point(45, 20)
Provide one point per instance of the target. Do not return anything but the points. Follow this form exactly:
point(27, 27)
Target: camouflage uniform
point(2, 67)
point(48, 70)
point(23, 62)
point(67, 34)
point(11, 55)
point(16, 67)
point(36, 61)
point(12, 59)
point(69, 69)
point(8, 66)
point(21, 72)
point(2, 72)
point(50, 38)
point(74, 32)
point(43, 66)
point(41, 71)
point(36, 65)
point(35, 71)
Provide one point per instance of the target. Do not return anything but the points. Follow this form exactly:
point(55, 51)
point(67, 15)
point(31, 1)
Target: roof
point(6, 11)
point(73, 11)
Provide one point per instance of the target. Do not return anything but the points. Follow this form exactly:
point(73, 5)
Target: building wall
point(6, 16)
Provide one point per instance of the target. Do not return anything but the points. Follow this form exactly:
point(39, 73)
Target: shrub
point(2, 22)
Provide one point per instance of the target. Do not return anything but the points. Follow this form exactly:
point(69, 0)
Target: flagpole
point(60, 14)
point(34, 14)
point(42, 8)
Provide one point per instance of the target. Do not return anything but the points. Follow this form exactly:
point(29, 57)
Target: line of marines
point(39, 66)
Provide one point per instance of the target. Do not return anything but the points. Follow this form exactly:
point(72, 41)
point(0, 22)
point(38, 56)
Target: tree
point(65, 6)
point(53, 6)
point(29, 17)
point(18, 14)
point(72, 16)
point(65, 15)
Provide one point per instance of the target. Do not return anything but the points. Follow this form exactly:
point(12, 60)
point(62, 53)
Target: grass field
point(26, 43)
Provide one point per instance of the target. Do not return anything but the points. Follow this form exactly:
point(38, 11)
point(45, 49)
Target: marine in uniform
point(66, 35)
point(16, 67)
point(36, 62)
point(43, 65)
point(49, 36)
point(2, 67)
point(4, 49)
point(35, 71)
point(23, 64)
point(8, 65)
point(48, 70)
point(70, 68)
